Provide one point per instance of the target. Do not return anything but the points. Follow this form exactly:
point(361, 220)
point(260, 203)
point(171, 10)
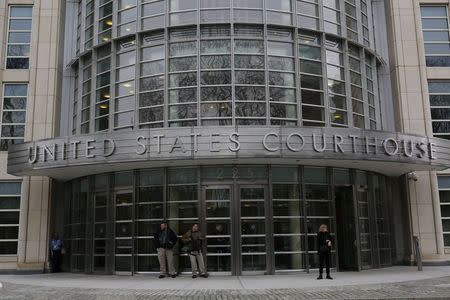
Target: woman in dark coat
point(324, 242)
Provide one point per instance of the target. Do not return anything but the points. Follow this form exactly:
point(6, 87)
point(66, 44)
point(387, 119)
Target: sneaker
point(173, 276)
point(194, 276)
point(162, 276)
point(329, 277)
point(204, 275)
point(320, 277)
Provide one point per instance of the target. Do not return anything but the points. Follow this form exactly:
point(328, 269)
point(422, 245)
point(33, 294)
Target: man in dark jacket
point(56, 247)
point(164, 240)
point(194, 239)
point(324, 242)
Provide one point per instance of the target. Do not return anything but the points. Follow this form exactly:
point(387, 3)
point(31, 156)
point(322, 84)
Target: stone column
point(412, 112)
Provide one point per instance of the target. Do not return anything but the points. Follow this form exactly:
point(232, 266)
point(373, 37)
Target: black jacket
point(322, 245)
point(170, 241)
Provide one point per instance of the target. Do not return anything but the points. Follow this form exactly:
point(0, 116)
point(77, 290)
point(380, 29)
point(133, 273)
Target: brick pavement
point(437, 288)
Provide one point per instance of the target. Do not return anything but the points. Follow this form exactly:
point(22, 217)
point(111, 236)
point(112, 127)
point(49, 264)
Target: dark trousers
point(324, 258)
point(56, 261)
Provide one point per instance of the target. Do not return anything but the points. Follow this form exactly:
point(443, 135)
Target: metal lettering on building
point(234, 143)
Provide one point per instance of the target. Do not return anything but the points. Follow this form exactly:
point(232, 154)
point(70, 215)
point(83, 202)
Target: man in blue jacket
point(56, 246)
point(165, 239)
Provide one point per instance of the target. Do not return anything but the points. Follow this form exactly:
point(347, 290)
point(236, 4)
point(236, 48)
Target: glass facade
point(224, 63)
point(148, 64)
point(256, 218)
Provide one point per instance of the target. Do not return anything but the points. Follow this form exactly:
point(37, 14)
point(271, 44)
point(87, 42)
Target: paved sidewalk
point(389, 283)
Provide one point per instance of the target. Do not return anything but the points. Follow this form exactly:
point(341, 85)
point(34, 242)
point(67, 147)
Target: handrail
point(418, 253)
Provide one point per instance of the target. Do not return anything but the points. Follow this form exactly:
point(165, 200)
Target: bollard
point(417, 253)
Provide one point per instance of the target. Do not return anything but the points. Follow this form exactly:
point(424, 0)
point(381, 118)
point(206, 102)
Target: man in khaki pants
point(194, 239)
point(164, 240)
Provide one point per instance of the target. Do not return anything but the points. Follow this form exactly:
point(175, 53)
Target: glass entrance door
point(218, 229)
point(123, 201)
point(235, 222)
point(100, 232)
point(346, 228)
point(252, 239)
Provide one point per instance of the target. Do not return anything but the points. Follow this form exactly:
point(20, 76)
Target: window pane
point(151, 68)
point(312, 97)
point(280, 63)
point(183, 112)
point(282, 94)
point(250, 93)
point(21, 11)
point(8, 248)
point(215, 62)
point(433, 11)
point(250, 110)
point(281, 79)
point(284, 5)
point(250, 77)
point(16, 89)
point(13, 117)
point(17, 63)
point(19, 37)
point(9, 217)
point(435, 36)
point(282, 49)
point(434, 24)
point(183, 64)
point(215, 46)
point(178, 49)
point(13, 131)
point(311, 82)
point(283, 111)
point(152, 83)
point(215, 93)
point(309, 52)
point(153, 53)
point(184, 79)
point(183, 95)
point(249, 61)
point(215, 77)
point(249, 47)
point(10, 188)
point(312, 67)
point(431, 48)
point(439, 87)
point(20, 24)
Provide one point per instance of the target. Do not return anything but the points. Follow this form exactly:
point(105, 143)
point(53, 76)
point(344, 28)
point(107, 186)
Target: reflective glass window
point(13, 118)
point(10, 193)
point(19, 37)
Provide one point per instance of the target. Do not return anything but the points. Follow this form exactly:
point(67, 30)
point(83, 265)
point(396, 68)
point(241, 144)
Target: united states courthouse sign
point(236, 143)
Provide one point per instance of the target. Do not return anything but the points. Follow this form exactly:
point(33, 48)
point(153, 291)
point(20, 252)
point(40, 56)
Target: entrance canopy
point(391, 154)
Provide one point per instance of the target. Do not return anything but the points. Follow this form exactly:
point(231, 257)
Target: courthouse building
point(259, 120)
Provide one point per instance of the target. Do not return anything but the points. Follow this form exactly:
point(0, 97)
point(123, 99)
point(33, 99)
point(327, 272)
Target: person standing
point(164, 240)
point(324, 242)
point(194, 239)
point(56, 246)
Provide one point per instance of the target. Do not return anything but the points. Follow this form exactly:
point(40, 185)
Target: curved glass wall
point(257, 219)
point(165, 64)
